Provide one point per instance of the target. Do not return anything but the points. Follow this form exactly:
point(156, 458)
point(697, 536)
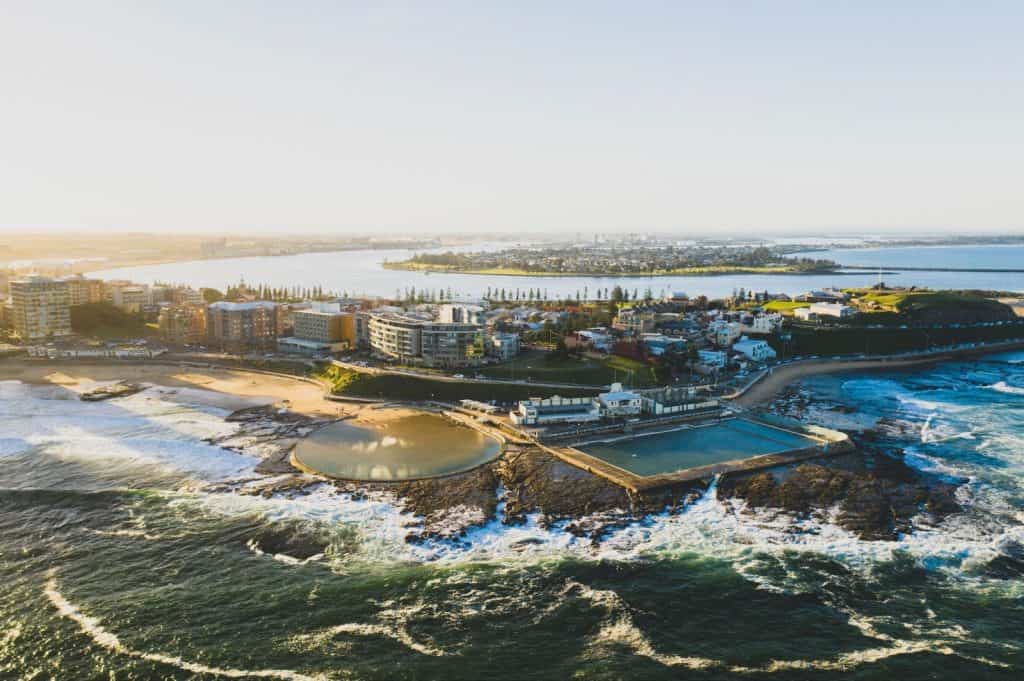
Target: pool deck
point(828, 443)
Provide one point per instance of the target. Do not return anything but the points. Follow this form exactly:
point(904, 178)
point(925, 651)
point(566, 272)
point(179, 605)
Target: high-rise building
point(242, 327)
point(41, 308)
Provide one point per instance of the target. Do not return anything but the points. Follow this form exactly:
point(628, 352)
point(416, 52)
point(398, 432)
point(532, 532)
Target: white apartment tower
point(41, 307)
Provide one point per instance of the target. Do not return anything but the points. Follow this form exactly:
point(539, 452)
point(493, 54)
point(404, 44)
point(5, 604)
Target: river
point(120, 561)
point(361, 273)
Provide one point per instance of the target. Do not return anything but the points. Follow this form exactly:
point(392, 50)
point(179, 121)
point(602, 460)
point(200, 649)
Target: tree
point(561, 350)
point(211, 295)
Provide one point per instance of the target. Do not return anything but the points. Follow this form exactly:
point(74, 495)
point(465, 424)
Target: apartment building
point(361, 321)
point(40, 308)
point(452, 345)
point(323, 327)
point(635, 322)
point(755, 350)
point(127, 295)
point(242, 327)
point(320, 332)
point(460, 314)
point(723, 333)
point(417, 341)
point(82, 290)
point(503, 346)
point(182, 324)
point(396, 336)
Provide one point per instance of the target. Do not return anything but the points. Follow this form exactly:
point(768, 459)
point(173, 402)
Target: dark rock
point(109, 392)
point(875, 503)
point(290, 541)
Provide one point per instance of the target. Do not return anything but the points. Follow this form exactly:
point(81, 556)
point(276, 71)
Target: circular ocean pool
point(406, 448)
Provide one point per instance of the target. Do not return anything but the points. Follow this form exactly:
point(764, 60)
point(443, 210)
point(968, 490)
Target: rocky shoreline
point(870, 492)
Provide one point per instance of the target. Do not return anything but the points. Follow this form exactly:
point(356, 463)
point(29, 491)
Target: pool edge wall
point(830, 443)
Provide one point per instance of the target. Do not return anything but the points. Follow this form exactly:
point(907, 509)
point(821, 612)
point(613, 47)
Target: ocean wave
point(720, 529)
point(1003, 387)
point(620, 629)
point(932, 434)
point(321, 639)
point(105, 639)
point(208, 462)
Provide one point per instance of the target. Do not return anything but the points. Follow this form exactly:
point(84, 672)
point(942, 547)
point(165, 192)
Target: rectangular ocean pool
point(698, 446)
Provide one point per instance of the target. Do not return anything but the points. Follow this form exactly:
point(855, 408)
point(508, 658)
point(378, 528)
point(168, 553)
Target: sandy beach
point(771, 385)
point(224, 388)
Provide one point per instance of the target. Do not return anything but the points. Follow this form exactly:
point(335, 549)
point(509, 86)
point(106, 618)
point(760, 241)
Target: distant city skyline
point(459, 118)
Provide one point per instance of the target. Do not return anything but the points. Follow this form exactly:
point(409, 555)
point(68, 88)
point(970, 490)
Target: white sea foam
point(141, 429)
point(321, 639)
point(621, 629)
point(709, 527)
point(1003, 387)
point(934, 434)
point(100, 636)
point(724, 530)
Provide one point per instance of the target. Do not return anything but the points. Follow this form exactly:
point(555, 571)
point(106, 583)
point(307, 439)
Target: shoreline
point(769, 386)
point(618, 275)
point(231, 389)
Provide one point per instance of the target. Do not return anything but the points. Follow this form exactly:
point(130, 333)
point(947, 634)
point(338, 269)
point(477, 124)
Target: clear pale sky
point(531, 116)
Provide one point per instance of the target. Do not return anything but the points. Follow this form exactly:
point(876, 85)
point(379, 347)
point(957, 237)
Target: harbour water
point(119, 560)
point(361, 273)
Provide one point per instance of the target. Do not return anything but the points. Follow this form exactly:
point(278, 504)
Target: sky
point(533, 117)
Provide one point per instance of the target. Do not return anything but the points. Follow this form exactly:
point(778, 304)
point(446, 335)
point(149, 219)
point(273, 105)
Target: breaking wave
point(100, 636)
point(1003, 387)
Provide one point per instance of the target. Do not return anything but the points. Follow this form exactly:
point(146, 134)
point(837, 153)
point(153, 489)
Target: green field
point(786, 307)
point(395, 387)
point(548, 367)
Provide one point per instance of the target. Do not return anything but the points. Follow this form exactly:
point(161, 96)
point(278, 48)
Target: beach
point(224, 388)
point(769, 386)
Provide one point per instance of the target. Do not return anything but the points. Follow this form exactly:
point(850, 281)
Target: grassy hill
point(932, 307)
point(394, 387)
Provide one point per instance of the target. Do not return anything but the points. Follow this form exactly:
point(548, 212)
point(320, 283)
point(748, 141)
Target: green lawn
point(902, 305)
point(786, 307)
point(393, 387)
point(545, 366)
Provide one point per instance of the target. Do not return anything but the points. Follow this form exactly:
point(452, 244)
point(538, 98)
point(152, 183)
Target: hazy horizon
point(457, 118)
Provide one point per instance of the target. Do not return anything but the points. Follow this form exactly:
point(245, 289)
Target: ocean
point(122, 559)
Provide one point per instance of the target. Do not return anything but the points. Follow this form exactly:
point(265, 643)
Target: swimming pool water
point(698, 446)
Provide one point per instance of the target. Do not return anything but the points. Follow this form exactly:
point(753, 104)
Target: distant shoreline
point(696, 272)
